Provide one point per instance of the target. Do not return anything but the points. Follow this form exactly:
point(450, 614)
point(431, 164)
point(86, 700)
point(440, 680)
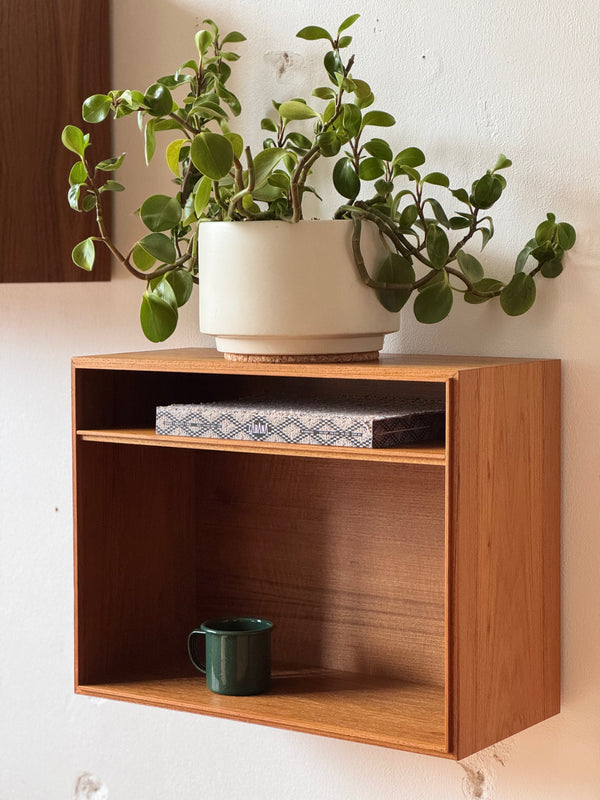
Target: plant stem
point(363, 272)
point(309, 158)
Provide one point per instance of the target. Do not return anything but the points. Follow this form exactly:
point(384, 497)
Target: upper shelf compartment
point(138, 383)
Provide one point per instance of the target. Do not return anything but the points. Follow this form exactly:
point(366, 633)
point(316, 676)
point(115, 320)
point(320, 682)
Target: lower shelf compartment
point(361, 708)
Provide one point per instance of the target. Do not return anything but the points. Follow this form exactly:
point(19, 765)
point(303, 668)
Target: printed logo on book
point(259, 428)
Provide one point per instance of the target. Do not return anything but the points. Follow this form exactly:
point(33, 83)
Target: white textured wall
point(466, 80)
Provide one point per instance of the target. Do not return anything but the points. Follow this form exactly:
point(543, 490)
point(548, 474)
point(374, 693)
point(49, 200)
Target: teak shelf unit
point(415, 591)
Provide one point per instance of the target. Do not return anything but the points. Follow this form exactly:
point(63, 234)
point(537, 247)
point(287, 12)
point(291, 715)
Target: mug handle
point(198, 664)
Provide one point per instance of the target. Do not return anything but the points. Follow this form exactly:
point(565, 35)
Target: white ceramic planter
point(272, 288)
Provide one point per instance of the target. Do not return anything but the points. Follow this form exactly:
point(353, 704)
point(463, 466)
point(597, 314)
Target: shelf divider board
point(413, 454)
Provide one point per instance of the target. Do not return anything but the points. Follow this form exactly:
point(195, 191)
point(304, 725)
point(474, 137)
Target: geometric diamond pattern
point(409, 422)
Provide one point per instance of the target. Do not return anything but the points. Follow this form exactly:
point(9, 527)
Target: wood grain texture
point(413, 454)
point(352, 582)
point(53, 55)
point(505, 625)
point(304, 542)
point(400, 367)
point(378, 711)
point(417, 605)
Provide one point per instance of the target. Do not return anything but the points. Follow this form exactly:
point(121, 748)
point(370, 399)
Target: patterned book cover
point(345, 423)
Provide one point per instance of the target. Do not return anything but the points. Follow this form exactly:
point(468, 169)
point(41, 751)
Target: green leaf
point(552, 269)
point(84, 254)
point(73, 195)
point(394, 269)
point(366, 100)
point(438, 246)
point(230, 56)
point(234, 36)
point(267, 124)
point(379, 148)
point(524, 255)
point(324, 93)
point(410, 157)
point(350, 119)
point(111, 164)
point(461, 194)
point(264, 164)
point(566, 235)
point(182, 283)
point(112, 186)
point(231, 100)
point(545, 231)
point(458, 223)
point(381, 119)
point(344, 41)
point(345, 179)
point(347, 23)
point(160, 213)
point(518, 296)
point(409, 216)
point(74, 140)
point(212, 25)
point(313, 32)
point(298, 139)
point(160, 247)
point(158, 99)
point(294, 109)
point(77, 174)
point(329, 112)
point(202, 195)
point(433, 303)
point(502, 163)
point(470, 266)
point(280, 179)
point(486, 191)
point(149, 140)
point(96, 108)
point(89, 202)
point(383, 187)
point(172, 155)
point(437, 179)
point(370, 169)
point(412, 173)
point(544, 252)
point(486, 234)
point(212, 154)
point(329, 143)
point(141, 258)
point(203, 40)
point(158, 317)
point(236, 142)
point(486, 285)
point(438, 211)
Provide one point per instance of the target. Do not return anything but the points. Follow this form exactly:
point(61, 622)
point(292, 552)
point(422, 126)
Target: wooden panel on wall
point(52, 56)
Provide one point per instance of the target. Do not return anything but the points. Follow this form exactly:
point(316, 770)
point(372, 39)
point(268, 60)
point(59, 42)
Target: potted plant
point(285, 286)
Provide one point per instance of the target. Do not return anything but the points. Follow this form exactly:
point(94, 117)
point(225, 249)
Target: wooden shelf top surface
point(388, 367)
point(360, 708)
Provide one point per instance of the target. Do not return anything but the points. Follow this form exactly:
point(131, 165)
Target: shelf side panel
point(505, 536)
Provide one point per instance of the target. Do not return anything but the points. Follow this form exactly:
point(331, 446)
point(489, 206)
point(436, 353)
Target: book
point(344, 422)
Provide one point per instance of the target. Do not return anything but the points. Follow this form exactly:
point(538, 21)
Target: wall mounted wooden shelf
point(415, 591)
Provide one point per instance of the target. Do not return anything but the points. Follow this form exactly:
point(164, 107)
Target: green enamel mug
point(237, 654)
